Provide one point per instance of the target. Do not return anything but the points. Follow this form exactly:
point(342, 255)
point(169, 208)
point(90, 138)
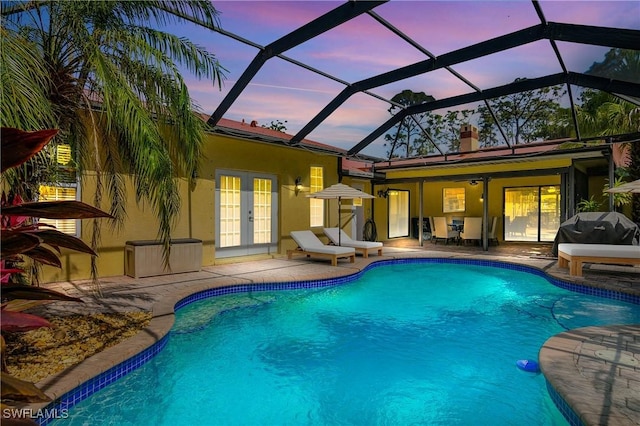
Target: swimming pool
point(431, 347)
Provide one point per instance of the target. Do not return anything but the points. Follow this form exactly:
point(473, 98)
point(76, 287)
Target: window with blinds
point(316, 217)
point(60, 193)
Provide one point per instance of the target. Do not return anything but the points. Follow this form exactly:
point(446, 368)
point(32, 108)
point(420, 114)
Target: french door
point(246, 213)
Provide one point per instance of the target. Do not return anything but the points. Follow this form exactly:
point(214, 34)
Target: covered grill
point(597, 228)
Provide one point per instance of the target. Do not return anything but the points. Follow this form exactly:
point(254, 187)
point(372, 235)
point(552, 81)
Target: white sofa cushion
point(600, 250)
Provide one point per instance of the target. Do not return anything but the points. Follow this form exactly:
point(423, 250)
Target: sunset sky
point(363, 48)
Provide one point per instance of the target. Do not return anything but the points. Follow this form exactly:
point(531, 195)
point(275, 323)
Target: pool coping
point(609, 388)
point(82, 380)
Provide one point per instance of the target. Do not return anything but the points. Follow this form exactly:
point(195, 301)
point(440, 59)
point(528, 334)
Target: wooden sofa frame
point(574, 263)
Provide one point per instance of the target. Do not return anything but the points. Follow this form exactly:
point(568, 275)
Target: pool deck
point(596, 370)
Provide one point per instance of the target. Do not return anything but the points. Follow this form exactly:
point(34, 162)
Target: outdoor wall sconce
point(383, 193)
point(298, 185)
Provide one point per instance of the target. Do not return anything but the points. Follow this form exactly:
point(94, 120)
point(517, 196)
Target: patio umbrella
point(339, 191)
point(633, 187)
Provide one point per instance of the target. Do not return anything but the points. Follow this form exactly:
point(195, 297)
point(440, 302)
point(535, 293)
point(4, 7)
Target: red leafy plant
point(23, 237)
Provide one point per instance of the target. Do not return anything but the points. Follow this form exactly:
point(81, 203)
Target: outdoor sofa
point(573, 255)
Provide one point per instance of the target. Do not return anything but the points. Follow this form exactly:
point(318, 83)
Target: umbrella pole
point(339, 221)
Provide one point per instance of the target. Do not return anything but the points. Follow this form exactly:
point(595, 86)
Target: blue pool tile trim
point(91, 386)
point(310, 284)
point(563, 407)
point(97, 383)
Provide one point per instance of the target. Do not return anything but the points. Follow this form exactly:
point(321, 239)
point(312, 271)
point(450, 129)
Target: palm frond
point(23, 84)
point(115, 89)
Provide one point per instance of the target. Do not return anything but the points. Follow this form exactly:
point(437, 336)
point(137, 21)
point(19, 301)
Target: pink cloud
point(267, 21)
point(443, 26)
point(618, 14)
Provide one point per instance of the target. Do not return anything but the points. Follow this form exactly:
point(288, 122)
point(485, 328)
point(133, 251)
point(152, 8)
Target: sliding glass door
point(531, 213)
point(398, 213)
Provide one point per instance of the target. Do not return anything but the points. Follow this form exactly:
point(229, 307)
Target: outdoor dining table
point(457, 226)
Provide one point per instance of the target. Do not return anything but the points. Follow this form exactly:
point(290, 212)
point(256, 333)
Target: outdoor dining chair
point(443, 232)
point(472, 229)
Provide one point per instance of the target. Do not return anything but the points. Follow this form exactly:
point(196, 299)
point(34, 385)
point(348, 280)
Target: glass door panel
point(549, 212)
point(261, 211)
point(520, 210)
point(531, 213)
point(398, 213)
point(230, 220)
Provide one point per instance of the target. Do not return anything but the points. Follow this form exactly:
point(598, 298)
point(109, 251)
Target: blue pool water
point(405, 344)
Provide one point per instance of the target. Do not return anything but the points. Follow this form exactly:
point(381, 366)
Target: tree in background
point(602, 113)
point(454, 120)
point(444, 130)
point(408, 134)
point(634, 172)
point(276, 125)
point(104, 74)
point(524, 117)
point(620, 64)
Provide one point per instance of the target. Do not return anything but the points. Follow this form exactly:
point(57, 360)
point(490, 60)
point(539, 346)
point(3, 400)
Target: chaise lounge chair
point(309, 244)
point(345, 241)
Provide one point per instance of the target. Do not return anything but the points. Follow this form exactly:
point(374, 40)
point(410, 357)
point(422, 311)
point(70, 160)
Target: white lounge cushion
point(600, 250)
point(346, 241)
point(308, 241)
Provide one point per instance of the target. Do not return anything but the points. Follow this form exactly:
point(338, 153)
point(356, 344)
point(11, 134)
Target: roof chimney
point(468, 138)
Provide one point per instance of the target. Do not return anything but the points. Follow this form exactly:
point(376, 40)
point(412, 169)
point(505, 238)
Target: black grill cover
point(597, 228)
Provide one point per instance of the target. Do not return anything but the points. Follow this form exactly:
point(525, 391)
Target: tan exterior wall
point(197, 218)
point(285, 163)
point(433, 191)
